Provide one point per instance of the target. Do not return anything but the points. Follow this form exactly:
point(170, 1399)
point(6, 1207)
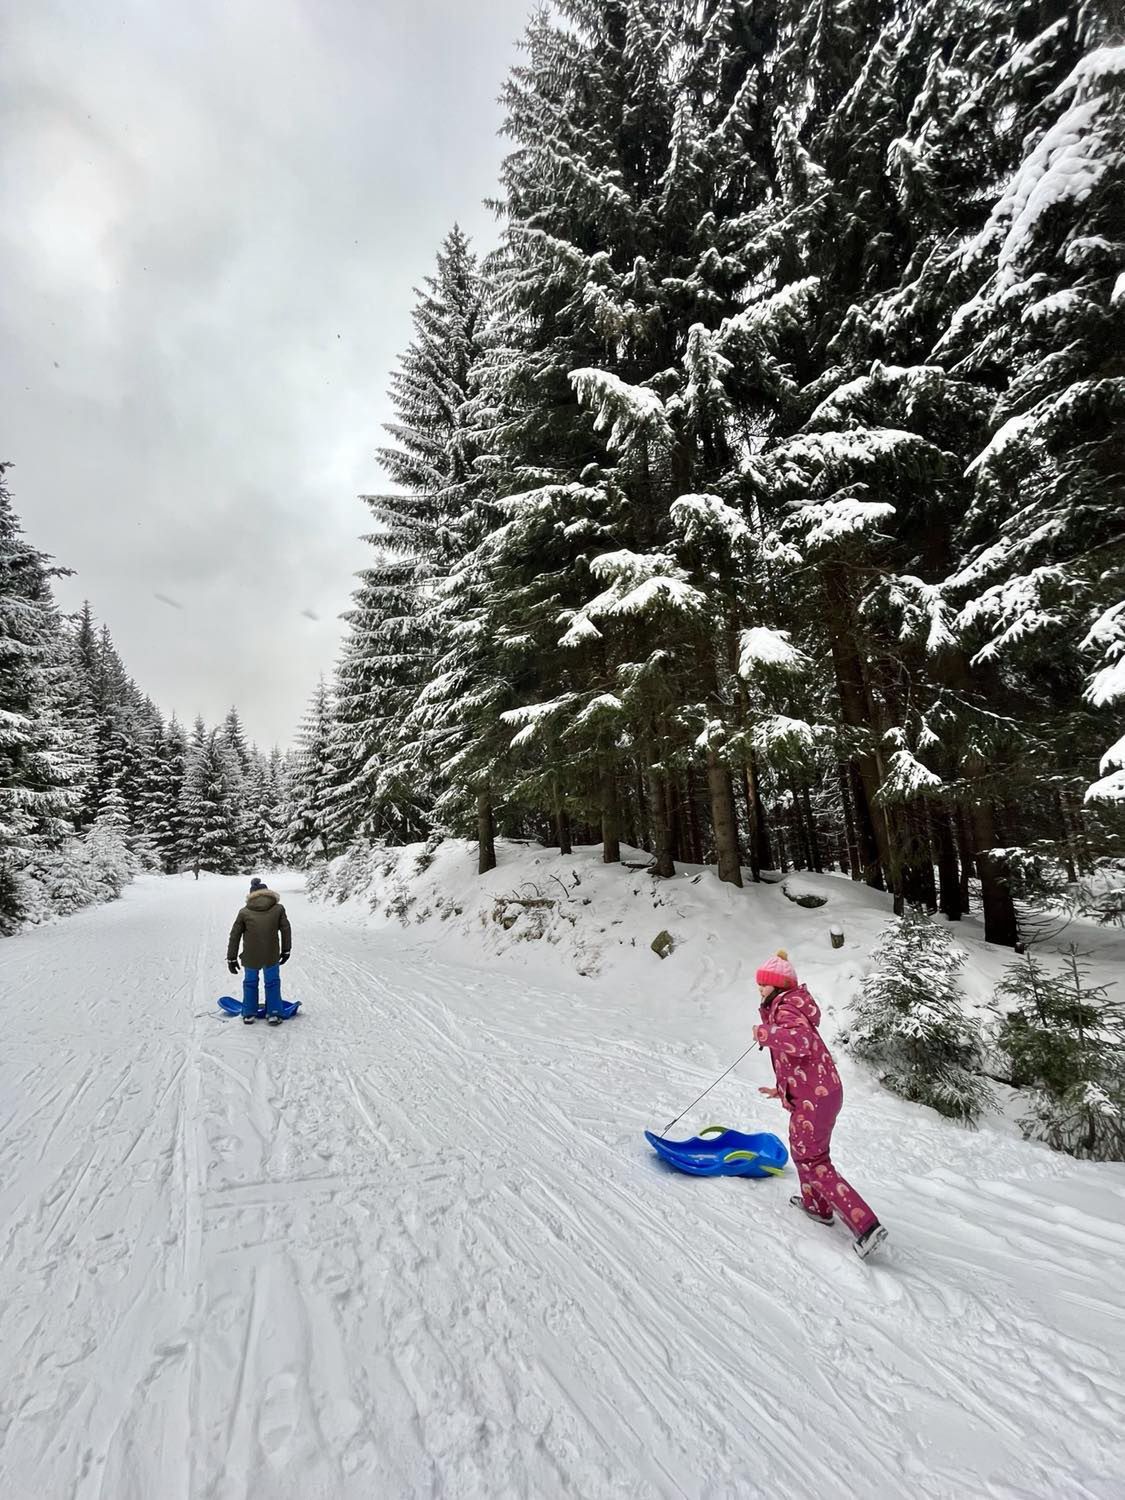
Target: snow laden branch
point(636, 584)
point(906, 778)
point(922, 610)
point(536, 717)
point(826, 523)
point(1107, 637)
point(1066, 165)
point(628, 414)
point(702, 519)
point(760, 647)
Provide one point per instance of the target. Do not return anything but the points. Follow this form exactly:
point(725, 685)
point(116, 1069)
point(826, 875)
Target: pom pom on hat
point(778, 972)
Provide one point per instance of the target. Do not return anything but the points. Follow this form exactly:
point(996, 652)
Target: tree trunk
point(965, 855)
point(849, 823)
point(929, 887)
point(673, 804)
point(662, 831)
point(1078, 840)
point(562, 830)
point(810, 825)
point(1000, 925)
point(762, 848)
point(866, 836)
point(851, 685)
point(1064, 840)
point(723, 820)
point(693, 849)
point(949, 882)
point(751, 830)
point(486, 839)
point(611, 818)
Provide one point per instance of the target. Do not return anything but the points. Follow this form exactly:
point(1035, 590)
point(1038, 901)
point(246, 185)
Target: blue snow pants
point(250, 990)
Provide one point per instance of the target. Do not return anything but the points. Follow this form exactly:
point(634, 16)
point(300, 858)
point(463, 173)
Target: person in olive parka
point(267, 941)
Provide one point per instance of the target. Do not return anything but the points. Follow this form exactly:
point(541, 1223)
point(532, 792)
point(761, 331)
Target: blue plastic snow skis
point(233, 1007)
point(728, 1153)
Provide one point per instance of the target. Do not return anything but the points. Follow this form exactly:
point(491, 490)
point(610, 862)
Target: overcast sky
point(212, 217)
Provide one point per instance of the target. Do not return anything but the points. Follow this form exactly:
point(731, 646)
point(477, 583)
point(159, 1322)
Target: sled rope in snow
point(708, 1089)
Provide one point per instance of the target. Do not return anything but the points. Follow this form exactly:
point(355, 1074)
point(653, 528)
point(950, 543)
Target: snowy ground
point(414, 1244)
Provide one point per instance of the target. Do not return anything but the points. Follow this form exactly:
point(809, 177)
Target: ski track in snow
point(413, 1244)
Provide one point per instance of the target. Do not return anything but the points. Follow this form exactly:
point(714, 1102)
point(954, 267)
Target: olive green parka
point(263, 929)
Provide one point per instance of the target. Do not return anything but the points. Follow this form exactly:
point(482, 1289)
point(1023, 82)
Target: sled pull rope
point(709, 1087)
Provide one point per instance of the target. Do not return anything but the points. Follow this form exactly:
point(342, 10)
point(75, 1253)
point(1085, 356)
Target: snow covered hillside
point(414, 1244)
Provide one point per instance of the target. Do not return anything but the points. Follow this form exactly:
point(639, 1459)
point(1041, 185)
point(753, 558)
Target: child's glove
point(771, 1093)
point(284, 959)
point(761, 1034)
point(232, 965)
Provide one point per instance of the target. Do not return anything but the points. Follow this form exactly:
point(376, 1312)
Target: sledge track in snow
point(413, 1244)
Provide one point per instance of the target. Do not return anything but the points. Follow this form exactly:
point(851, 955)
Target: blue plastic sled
point(719, 1151)
point(233, 1007)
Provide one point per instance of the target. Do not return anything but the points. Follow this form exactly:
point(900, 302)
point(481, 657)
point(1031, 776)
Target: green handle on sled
point(741, 1155)
point(753, 1156)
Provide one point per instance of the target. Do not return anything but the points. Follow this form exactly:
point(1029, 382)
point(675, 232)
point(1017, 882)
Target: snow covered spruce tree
point(910, 1021)
point(385, 763)
point(1064, 1038)
point(731, 445)
point(1042, 584)
point(166, 802)
point(310, 786)
point(36, 763)
point(209, 807)
point(613, 435)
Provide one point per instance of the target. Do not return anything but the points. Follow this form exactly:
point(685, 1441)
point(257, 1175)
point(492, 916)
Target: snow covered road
point(413, 1244)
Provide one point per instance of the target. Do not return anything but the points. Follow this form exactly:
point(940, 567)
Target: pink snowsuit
point(811, 1091)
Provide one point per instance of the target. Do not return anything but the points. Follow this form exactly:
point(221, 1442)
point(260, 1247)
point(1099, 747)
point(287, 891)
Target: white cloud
point(213, 222)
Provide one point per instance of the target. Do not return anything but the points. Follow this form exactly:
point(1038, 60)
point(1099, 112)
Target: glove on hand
point(284, 959)
point(232, 965)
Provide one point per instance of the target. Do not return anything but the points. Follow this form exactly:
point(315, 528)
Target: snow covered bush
point(1065, 1039)
point(911, 1022)
point(1088, 1120)
point(1102, 893)
point(61, 883)
point(80, 872)
point(109, 859)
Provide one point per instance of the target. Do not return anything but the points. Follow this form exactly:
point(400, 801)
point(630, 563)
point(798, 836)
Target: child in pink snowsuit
point(810, 1089)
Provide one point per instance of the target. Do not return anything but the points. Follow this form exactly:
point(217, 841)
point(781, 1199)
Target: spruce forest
point(760, 500)
point(95, 786)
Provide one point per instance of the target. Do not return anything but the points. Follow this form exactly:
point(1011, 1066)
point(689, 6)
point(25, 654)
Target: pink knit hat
point(778, 972)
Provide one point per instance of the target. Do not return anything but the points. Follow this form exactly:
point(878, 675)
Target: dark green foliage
point(911, 1022)
point(758, 499)
point(37, 766)
point(1065, 1039)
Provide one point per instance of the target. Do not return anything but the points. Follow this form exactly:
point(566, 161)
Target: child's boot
point(798, 1202)
point(870, 1241)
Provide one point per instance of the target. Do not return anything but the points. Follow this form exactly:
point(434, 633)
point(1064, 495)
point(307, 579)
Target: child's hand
point(761, 1035)
point(771, 1093)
